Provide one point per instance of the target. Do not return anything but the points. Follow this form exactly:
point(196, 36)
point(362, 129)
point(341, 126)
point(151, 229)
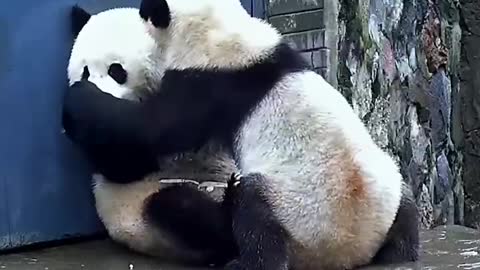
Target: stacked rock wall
point(414, 81)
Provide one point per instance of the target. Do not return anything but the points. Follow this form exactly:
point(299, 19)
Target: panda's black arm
point(124, 138)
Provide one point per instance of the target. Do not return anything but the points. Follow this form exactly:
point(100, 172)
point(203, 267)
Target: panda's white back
point(328, 182)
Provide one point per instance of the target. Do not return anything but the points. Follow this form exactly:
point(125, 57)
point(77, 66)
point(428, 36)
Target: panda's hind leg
point(261, 239)
point(195, 220)
point(402, 242)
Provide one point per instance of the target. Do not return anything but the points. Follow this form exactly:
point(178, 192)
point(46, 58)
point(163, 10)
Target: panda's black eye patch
point(118, 73)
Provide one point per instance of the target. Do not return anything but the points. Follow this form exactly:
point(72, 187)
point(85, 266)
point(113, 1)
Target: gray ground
point(446, 248)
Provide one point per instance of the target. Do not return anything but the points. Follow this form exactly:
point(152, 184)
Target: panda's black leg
point(261, 239)
point(402, 243)
point(195, 220)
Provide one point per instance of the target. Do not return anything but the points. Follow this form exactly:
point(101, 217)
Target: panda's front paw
point(234, 180)
point(81, 109)
point(73, 128)
point(231, 192)
point(155, 11)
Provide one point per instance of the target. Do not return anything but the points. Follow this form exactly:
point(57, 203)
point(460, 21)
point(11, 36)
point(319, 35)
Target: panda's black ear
point(157, 11)
point(79, 17)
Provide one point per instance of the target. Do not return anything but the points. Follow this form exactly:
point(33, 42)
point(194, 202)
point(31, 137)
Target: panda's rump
point(120, 207)
point(329, 213)
point(328, 184)
point(125, 210)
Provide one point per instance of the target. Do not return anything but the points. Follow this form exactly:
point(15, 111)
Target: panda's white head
point(113, 50)
point(207, 33)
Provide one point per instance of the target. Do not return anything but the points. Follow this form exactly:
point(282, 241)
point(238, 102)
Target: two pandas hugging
point(201, 90)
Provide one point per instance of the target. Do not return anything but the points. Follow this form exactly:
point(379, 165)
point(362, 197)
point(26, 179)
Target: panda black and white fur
point(177, 222)
point(316, 192)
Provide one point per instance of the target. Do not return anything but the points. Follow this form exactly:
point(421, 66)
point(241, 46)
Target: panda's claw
point(231, 192)
point(235, 179)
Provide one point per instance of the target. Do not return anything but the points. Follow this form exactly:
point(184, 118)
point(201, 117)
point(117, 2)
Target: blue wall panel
point(4, 230)
point(258, 8)
point(247, 4)
point(44, 179)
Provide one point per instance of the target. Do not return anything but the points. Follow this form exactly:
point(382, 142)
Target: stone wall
point(398, 66)
point(303, 22)
point(398, 63)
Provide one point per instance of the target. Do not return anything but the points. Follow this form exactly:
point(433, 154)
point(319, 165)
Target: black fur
point(113, 156)
point(85, 73)
point(262, 240)
point(124, 138)
point(118, 73)
point(79, 17)
point(157, 11)
point(195, 220)
point(402, 241)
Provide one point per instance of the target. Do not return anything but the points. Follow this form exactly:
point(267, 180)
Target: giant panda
point(154, 214)
point(314, 190)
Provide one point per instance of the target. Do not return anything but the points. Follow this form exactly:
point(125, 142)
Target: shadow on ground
point(443, 248)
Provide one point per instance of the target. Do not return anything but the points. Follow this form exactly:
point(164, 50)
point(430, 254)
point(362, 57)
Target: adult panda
point(316, 192)
point(179, 222)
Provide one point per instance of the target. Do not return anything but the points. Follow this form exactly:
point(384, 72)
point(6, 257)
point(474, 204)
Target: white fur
point(213, 33)
point(116, 36)
point(120, 209)
point(121, 206)
point(330, 185)
point(300, 136)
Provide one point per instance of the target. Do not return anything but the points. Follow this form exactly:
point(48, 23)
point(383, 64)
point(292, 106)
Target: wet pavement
point(452, 247)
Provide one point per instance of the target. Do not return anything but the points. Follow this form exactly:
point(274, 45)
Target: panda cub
point(177, 222)
point(315, 191)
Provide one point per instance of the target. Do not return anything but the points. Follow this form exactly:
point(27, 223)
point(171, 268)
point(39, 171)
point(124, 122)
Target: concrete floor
point(91, 255)
point(443, 248)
